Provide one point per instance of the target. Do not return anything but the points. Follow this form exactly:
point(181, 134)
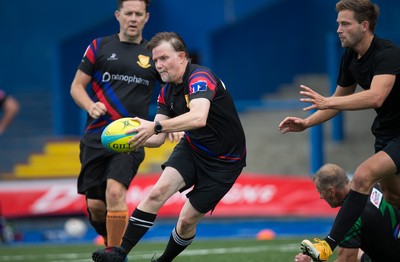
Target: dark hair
point(364, 10)
point(147, 2)
point(172, 38)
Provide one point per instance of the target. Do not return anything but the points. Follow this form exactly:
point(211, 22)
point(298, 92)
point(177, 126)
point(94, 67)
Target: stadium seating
point(60, 159)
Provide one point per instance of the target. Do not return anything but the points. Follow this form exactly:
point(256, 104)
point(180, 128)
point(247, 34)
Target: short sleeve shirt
point(383, 57)
point(222, 140)
point(123, 78)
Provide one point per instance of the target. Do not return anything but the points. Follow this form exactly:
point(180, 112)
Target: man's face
point(349, 30)
point(327, 194)
point(132, 18)
point(168, 62)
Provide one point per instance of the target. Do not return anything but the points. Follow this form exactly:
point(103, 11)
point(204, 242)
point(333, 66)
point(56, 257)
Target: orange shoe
point(319, 251)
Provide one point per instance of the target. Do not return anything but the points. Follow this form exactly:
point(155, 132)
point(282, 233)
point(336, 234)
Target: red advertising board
point(252, 195)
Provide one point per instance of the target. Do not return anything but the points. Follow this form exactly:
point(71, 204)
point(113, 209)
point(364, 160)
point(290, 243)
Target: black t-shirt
point(222, 140)
point(123, 78)
point(376, 232)
point(383, 57)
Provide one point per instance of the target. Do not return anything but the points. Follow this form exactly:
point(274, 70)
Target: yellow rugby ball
point(114, 137)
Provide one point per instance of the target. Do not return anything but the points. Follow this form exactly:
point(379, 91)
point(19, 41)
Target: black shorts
point(100, 164)
point(210, 184)
point(391, 146)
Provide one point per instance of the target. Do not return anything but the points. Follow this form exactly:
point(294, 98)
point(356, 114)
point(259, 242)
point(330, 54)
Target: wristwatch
point(157, 127)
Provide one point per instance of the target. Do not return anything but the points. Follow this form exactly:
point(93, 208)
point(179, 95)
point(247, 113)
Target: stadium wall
point(238, 39)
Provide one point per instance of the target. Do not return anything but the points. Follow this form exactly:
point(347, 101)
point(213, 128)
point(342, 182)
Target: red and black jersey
point(382, 57)
point(123, 78)
point(3, 97)
point(223, 138)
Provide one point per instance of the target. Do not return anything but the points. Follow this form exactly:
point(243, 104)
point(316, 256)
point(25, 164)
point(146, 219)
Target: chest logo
point(112, 57)
point(144, 61)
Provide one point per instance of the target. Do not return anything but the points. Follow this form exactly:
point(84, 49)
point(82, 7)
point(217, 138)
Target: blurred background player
point(373, 64)
point(375, 230)
point(10, 108)
point(122, 78)
point(208, 159)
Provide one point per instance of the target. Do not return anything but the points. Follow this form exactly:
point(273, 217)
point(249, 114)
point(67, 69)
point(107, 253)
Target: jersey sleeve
point(3, 97)
point(89, 58)
point(388, 62)
point(202, 84)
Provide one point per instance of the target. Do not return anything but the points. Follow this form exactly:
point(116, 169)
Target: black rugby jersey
point(383, 57)
point(3, 97)
point(123, 78)
point(222, 139)
point(376, 232)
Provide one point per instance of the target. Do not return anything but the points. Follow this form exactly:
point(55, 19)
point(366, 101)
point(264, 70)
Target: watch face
point(158, 127)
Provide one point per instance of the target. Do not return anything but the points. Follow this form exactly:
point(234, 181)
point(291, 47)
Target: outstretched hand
point(316, 100)
point(292, 124)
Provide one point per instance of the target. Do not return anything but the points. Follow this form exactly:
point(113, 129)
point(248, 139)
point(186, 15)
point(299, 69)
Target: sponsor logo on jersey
point(144, 61)
point(112, 57)
point(199, 86)
point(376, 197)
point(107, 77)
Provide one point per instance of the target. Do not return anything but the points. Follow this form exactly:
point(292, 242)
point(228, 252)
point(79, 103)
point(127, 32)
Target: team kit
point(196, 111)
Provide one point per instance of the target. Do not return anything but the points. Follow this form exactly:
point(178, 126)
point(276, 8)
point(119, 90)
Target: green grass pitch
point(222, 250)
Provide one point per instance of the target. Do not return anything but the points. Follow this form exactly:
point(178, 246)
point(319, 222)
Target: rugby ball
point(114, 137)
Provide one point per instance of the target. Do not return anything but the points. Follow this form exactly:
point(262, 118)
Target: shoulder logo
point(113, 57)
point(376, 197)
point(199, 86)
point(144, 61)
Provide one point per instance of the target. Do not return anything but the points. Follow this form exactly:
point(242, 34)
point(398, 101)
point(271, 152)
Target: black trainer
point(109, 254)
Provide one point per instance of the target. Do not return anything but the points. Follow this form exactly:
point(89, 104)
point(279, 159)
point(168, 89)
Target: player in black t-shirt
point(208, 159)
point(121, 75)
point(376, 231)
point(374, 65)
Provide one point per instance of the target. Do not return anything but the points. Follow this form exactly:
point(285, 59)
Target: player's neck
point(364, 45)
point(135, 40)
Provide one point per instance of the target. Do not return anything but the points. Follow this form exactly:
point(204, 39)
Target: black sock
point(139, 223)
point(351, 210)
point(175, 246)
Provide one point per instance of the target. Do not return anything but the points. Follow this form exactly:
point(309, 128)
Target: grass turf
point(279, 249)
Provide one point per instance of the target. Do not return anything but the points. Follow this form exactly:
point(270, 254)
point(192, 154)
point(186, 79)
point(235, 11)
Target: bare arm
point(347, 255)
point(381, 86)
point(11, 108)
point(81, 97)
point(195, 118)
point(296, 124)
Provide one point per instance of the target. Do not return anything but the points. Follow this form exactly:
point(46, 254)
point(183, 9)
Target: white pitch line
point(79, 257)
